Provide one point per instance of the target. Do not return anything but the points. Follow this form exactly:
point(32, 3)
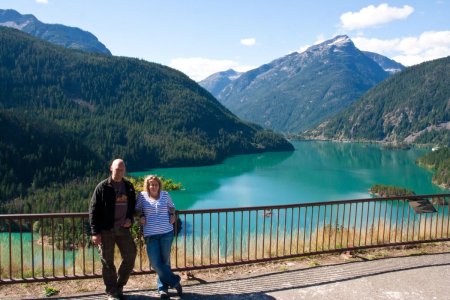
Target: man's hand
point(142, 220)
point(127, 223)
point(97, 239)
point(172, 219)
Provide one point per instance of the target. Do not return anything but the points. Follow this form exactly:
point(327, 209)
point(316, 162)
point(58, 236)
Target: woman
point(157, 216)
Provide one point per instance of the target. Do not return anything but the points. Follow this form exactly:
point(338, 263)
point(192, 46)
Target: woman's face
point(153, 186)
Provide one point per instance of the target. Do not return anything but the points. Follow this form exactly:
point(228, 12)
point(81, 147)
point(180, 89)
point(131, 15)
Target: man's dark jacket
point(103, 205)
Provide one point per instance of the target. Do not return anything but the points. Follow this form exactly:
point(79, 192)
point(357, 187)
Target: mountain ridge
point(299, 90)
point(65, 36)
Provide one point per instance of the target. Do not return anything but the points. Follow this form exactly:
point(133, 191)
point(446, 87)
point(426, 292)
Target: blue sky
point(201, 37)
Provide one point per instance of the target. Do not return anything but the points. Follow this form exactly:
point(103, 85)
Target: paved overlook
point(408, 277)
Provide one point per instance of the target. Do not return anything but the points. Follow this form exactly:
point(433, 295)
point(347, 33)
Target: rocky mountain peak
point(13, 19)
point(68, 37)
point(230, 74)
point(297, 91)
point(217, 81)
point(338, 43)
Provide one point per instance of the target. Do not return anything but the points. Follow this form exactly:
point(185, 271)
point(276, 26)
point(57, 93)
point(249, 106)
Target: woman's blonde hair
point(147, 183)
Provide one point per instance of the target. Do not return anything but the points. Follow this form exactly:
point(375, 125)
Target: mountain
point(218, 81)
point(300, 90)
point(411, 106)
point(389, 65)
point(73, 111)
point(68, 37)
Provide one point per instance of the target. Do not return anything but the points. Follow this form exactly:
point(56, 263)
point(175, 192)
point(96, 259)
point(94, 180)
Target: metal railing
point(45, 247)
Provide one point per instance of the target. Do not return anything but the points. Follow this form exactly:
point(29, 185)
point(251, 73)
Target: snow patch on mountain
point(339, 40)
point(15, 25)
point(392, 71)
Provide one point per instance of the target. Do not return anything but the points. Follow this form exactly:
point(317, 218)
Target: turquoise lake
point(315, 171)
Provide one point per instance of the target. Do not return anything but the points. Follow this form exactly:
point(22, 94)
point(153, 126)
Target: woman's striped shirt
point(156, 213)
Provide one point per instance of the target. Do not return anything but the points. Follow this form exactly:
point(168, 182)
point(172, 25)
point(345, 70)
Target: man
point(110, 215)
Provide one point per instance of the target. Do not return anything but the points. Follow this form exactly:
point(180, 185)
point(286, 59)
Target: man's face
point(117, 169)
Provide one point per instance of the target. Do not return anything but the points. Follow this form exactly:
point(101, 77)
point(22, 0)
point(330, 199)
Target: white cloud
point(371, 16)
point(198, 68)
point(42, 1)
point(409, 50)
point(248, 42)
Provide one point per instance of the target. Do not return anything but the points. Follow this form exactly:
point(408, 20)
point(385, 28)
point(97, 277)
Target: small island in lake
point(381, 190)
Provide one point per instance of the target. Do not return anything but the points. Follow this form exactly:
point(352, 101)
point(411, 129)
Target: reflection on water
point(315, 171)
point(198, 181)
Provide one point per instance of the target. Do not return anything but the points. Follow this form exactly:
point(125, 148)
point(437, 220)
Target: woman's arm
point(171, 209)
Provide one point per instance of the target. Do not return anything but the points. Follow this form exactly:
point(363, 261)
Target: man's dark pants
point(115, 281)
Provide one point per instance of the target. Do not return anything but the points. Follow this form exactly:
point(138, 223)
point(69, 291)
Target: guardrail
point(49, 247)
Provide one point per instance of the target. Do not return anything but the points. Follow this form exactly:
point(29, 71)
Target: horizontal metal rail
point(51, 247)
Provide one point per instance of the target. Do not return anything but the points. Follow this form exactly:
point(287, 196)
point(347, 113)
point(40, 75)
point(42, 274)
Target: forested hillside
point(64, 113)
point(439, 162)
point(35, 152)
point(411, 106)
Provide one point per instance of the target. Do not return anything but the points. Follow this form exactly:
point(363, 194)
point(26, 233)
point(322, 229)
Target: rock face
point(68, 37)
point(299, 90)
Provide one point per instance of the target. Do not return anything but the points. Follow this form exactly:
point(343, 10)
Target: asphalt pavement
point(410, 277)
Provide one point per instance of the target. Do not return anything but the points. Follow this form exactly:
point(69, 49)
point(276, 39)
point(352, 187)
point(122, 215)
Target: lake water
point(25, 250)
point(315, 171)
